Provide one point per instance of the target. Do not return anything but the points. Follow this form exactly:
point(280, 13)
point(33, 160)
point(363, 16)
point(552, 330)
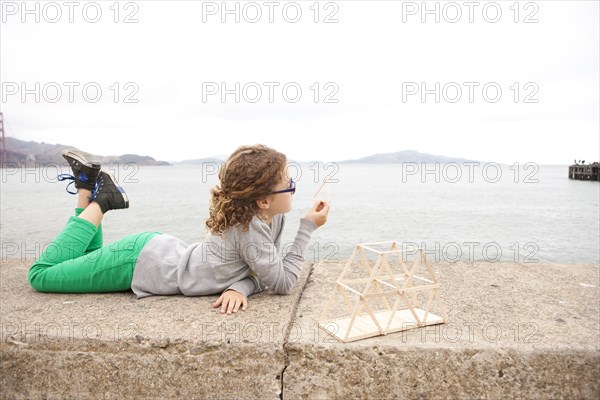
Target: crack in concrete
point(286, 360)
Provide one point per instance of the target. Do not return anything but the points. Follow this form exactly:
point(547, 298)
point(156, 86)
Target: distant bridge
point(7, 155)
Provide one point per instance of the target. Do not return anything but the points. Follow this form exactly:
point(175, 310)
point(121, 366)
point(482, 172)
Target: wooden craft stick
point(328, 198)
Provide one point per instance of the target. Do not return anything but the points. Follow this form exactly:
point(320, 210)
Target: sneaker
point(85, 172)
point(108, 194)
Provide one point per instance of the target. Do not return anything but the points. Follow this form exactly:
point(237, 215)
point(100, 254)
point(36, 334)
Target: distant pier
point(584, 172)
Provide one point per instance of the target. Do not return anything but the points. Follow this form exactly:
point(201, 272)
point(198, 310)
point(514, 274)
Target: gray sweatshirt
point(248, 262)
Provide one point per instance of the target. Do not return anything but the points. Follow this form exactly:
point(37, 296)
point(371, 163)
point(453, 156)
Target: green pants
point(76, 261)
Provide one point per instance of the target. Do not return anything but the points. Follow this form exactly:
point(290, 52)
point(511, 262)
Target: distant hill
point(406, 156)
point(199, 161)
point(32, 153)
point(221, 159)
point(382, 158)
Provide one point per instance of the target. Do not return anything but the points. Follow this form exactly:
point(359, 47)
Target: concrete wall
point(514, 330)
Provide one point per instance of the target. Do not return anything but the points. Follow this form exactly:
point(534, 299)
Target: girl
point(239, 257)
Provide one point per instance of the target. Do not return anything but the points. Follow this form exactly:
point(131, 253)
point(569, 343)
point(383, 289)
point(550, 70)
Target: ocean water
point(482, 212)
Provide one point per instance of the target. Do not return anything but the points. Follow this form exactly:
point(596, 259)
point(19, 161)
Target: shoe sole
point(116, 183)
point(79, 158)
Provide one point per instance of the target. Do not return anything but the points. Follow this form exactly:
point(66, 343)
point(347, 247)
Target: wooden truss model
point(388, 296)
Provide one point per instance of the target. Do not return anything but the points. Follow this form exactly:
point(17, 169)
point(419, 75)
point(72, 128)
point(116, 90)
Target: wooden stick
point(323, 313)
point(421, 288)
point(369, 248)
point(348, 263)
point(350, 289)
point(346, 301)
point(396, 303)
point(357, 309)
point(427, 307)
point(370, 311)
point(314, 198)
point(411, 307)
point(385, 242)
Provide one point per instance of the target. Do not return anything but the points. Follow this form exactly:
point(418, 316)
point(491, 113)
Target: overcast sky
point(369, 67)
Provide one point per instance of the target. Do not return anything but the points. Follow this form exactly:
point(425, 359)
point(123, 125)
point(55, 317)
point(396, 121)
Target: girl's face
point(281, 202)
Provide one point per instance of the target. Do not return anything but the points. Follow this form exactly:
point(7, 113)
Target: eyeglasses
point(291, 188)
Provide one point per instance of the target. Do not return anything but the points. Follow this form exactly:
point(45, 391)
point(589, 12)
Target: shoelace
point(64, 177)
point(96, 189)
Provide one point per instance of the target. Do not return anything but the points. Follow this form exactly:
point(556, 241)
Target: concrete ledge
point(515, 330)
point(114, 346)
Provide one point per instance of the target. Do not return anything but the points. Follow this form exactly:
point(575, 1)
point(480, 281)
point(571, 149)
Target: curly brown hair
point(250, 173)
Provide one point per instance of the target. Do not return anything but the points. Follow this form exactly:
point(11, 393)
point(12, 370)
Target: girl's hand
point(318, 213)
point(231, 301)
